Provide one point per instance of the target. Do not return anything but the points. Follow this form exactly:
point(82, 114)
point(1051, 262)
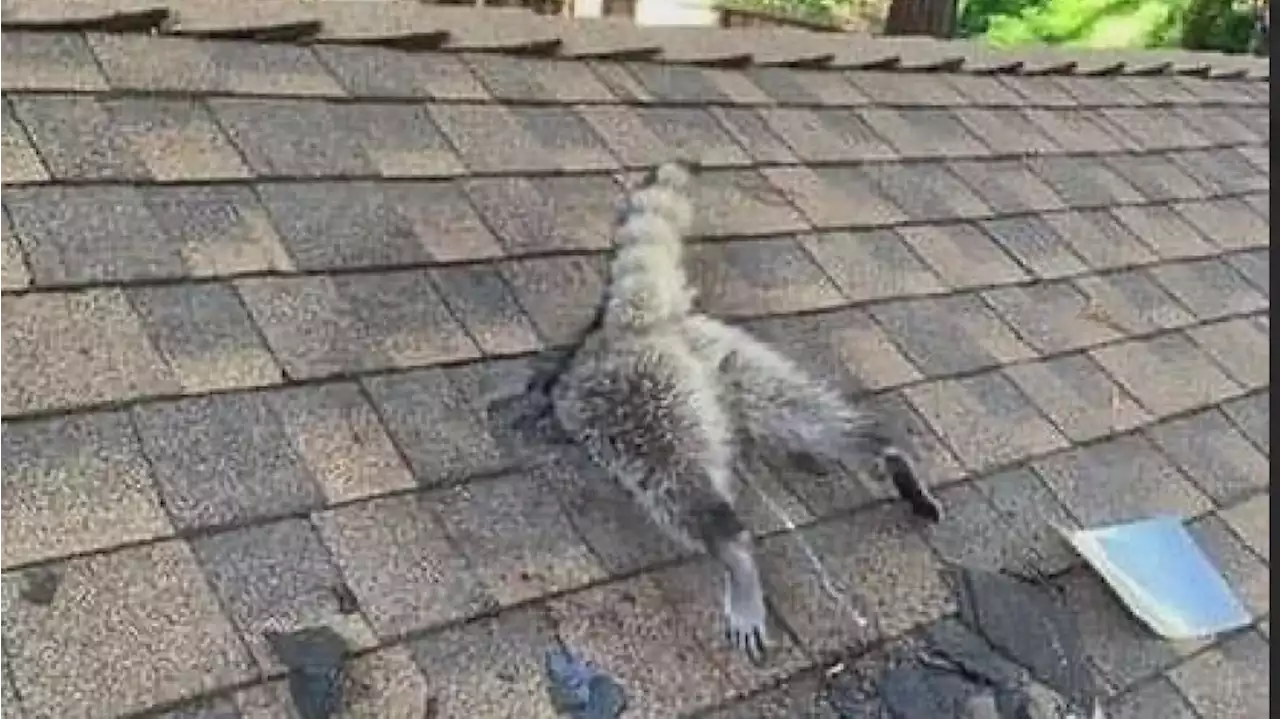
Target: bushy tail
point(648, 285)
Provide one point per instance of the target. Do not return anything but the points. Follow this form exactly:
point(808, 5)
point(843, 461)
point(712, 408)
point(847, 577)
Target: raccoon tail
point(648, 285)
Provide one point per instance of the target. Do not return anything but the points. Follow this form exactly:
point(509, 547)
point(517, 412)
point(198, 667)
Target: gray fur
point(661, 396)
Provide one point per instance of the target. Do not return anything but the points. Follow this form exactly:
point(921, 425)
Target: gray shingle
point(1035, 244)
point(1100, 239)
point(402, 567)
point(1084, 182)
point(1209, 288)
point(872, 265)
point(1156, 176)
point(681, 83)
point(1241, 347)
point(1131, 300)
point(217, 229)
point(493, 138)
point(50, 61)
point(950, 335)
point(224, 459)
point(370, 71)
point(963, 255)
point(806, 87)
point(1217, 457)
point(845, 347)
point(1228, 223)
point(1244, 571)
point(748, 127)
point(827, 134)
point(1232, 679)
point(518, 79)
point(206, 336)
point(1075, 130)
point(1167, 374)
point(487, 308)
point(742, 202)
point(14, 273)
point(927, 191)
point(322, 326)
point(1052, 316)
point(543, 214)
point(835, 197)
point(1078, 396)
point(21, 164)
point(279, 578)
point(1164, 230)
point(560, 294)
point(1008, 186)
point(74, 485)
point(69, 349)
point(760, 277)
point(924, 133)
point(642, 136)
point(156, 632)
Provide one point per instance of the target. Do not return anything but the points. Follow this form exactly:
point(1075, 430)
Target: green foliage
point(1223, 25)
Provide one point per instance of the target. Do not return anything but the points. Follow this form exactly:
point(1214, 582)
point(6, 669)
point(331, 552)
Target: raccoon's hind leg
point(727, 539)
point(783, 411)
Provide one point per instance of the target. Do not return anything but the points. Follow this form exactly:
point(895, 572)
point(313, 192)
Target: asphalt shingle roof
point(263, 263)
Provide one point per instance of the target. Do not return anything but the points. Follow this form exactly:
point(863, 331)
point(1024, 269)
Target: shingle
point(1157, 699)
point(790, 86)
point(1123, 479)
point(620, 534)
point(86, 234)
point(1167, 374)
point(520, 79)
point(489, 667)
point(629, 628)
point(748, 127)
point(963, 255)
point(924, 133)
point(1241, 347)
point(827, 134)
point(223, 459)
point(400, 563)
point(1078, 397)
point(949, 335)
point(985, 419)
point(1212, 91)
point(1260, 202)
point(1009, 130)
point(1252, 415)
point(210, 66)
point(872, 264)
point(835, 197)
point(1164, 230)
point(1232, 679)
point(14, 273)
point(1211, 289)
point(691, 590)
point(927, 191)
point(1156, 176)
point(1022, 500)
point(279, 578)
point(1098, 91)
point(50, 61)
point(1084, 182)
point(437, 424)
point(69, 349)
point(21, 164)
point(1157, 89)
point(975, 534)
point(339, 438)
point(902, 88)
point(128, 138)
point(155, 632)
point(310, 138)
point(875, 543)
point(518, 539)
point(560, 294)
point(1123, 651)
point(74, 485)
point(760, 277)
point(369, 71)
point(1257, 119)
point(1100, 239)
point(680, 83)
point(320, 326)
point(1229, 223)
point(328, 225)
point(487, 308)
point(493, 138)
point(642, 136)
point(742, 202)
point(1132, 301)
point(1084, 131)
point(1052, 317)
point(1154, 128)
point(541, 214)
point(217, 229)
point(845, 347)
point(1244, 571)
point(985, 90)
point(1216, 457)
point(1008, 186)
point(1251, 521)
point(206, 336)
point(1035, 245)
point(1223, 170)
point(385, 683)
point(1040, 91)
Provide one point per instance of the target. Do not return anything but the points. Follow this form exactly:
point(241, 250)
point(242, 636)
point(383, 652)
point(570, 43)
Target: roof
point(263, 261)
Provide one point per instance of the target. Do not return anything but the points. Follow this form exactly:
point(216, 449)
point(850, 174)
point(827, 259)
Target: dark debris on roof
point(264, 264)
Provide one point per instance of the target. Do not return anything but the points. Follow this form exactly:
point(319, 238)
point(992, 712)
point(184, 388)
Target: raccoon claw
point(745, 631)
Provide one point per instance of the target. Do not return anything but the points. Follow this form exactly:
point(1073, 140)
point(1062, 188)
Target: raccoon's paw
point(745, 619)
point(910, 486)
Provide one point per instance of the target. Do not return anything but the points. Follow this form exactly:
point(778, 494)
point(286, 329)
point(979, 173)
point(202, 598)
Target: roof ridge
point(416, 26)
